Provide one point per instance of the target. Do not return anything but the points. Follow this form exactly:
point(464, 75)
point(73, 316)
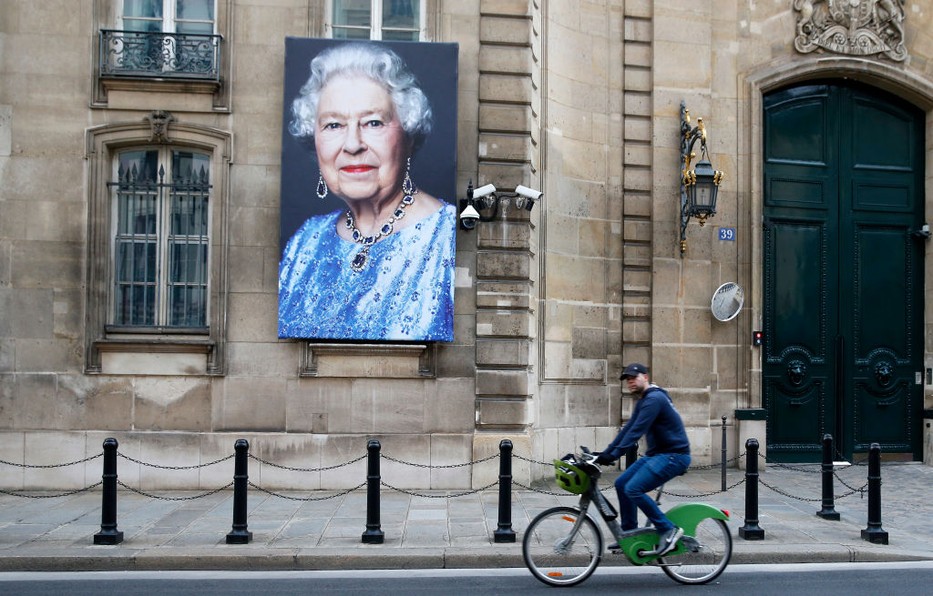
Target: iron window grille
point(159, 54)
point(160, 248)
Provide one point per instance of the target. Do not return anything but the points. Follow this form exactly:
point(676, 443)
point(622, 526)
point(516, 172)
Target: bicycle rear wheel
point(555, 553)
point(704, 556)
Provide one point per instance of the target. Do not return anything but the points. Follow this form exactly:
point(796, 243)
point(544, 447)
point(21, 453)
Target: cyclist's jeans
point(643, 476)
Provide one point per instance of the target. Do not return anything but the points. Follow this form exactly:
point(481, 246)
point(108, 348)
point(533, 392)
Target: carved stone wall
point(579, 99)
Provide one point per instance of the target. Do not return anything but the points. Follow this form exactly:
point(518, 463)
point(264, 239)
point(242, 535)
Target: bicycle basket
point(569, 477)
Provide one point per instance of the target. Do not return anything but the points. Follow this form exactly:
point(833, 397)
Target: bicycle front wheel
point(704, 556)
point(562, 546)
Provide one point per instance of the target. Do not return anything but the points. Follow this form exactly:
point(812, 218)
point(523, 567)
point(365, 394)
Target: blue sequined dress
point(405, 290)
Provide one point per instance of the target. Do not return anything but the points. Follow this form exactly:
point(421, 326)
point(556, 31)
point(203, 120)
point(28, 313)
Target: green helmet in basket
point(569, 477)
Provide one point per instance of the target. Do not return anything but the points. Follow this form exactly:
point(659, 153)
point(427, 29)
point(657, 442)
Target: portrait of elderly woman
point(378, 262)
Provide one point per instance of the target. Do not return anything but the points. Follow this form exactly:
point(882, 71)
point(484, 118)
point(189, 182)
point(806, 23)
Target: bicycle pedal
point(655, 552)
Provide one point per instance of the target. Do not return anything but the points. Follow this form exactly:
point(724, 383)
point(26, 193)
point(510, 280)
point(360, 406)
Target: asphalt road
point(762, 580)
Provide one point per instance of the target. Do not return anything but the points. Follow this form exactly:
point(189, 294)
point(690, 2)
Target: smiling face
point(360, 144)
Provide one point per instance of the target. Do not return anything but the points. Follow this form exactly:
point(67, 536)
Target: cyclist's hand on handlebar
point(603, 459)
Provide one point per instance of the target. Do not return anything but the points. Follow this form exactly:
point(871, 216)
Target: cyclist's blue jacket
point(655, 417)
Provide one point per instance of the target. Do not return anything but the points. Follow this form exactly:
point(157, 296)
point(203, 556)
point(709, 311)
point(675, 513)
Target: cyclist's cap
point(633, 370)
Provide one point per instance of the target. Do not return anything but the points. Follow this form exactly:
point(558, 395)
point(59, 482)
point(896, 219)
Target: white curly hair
point(376, 62)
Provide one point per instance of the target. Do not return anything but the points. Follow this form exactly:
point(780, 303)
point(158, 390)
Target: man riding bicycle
point(668, 455)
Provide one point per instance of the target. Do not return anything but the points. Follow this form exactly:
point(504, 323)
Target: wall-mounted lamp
point(482, 204)
point(699, 186)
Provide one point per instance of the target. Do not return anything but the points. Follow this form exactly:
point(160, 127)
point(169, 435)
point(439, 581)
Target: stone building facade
point(581, 100)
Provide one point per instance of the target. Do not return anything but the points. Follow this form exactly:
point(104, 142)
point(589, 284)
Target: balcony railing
point(159, 55)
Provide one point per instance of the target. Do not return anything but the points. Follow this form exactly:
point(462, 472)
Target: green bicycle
point(563, 545)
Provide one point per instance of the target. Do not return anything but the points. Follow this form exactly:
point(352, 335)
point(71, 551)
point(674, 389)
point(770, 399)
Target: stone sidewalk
point(445, 529)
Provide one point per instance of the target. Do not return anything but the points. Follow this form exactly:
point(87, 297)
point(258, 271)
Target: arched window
point(156, 297)
point(161, 239)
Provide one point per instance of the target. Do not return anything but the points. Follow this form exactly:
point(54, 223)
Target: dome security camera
point(469, 217)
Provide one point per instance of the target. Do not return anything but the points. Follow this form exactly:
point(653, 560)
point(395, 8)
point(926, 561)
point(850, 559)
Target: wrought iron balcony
point(159, 55)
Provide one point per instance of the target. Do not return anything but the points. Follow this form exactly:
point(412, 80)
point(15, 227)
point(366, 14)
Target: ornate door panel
point(883, 277)
point(842, 271)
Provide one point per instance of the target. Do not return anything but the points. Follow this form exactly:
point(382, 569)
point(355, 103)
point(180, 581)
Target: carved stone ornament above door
point(159, 121)
point(851, 27)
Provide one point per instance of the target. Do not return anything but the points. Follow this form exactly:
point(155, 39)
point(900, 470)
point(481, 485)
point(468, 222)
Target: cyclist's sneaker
point(615, 547)
point(668, 540)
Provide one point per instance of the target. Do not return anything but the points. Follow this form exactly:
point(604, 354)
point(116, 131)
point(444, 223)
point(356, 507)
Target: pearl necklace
point(359, 261)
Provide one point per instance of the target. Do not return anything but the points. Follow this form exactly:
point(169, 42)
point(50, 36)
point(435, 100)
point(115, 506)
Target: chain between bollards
point(505, 533)
point(110, 535)
point(108, 511)
point(239, 533)
point(874, 533)
point(751, 530)
point(373, 533)
point(829, 509)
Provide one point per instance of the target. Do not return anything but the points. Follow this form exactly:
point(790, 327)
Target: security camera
point(529, 193)
point(483, 191)
point(469, 217)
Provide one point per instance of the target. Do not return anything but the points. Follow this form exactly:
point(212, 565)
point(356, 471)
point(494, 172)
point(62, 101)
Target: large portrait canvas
point(368, 204)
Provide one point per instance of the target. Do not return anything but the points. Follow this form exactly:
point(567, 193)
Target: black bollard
point(505, 533)
point(751, 530)
point(829, 510)
point(373, 533)
point(874, 533)
point(239, 534)
point(631, 455)
point(108, 510)
point(724, 453)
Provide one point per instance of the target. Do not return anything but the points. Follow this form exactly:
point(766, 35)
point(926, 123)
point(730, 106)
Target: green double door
point(843, 272)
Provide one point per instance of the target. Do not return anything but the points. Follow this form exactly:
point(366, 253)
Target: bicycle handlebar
point(587, 456)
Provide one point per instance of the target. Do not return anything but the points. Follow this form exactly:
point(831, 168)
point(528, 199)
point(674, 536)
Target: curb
point(422, 558)
point(821, 553)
